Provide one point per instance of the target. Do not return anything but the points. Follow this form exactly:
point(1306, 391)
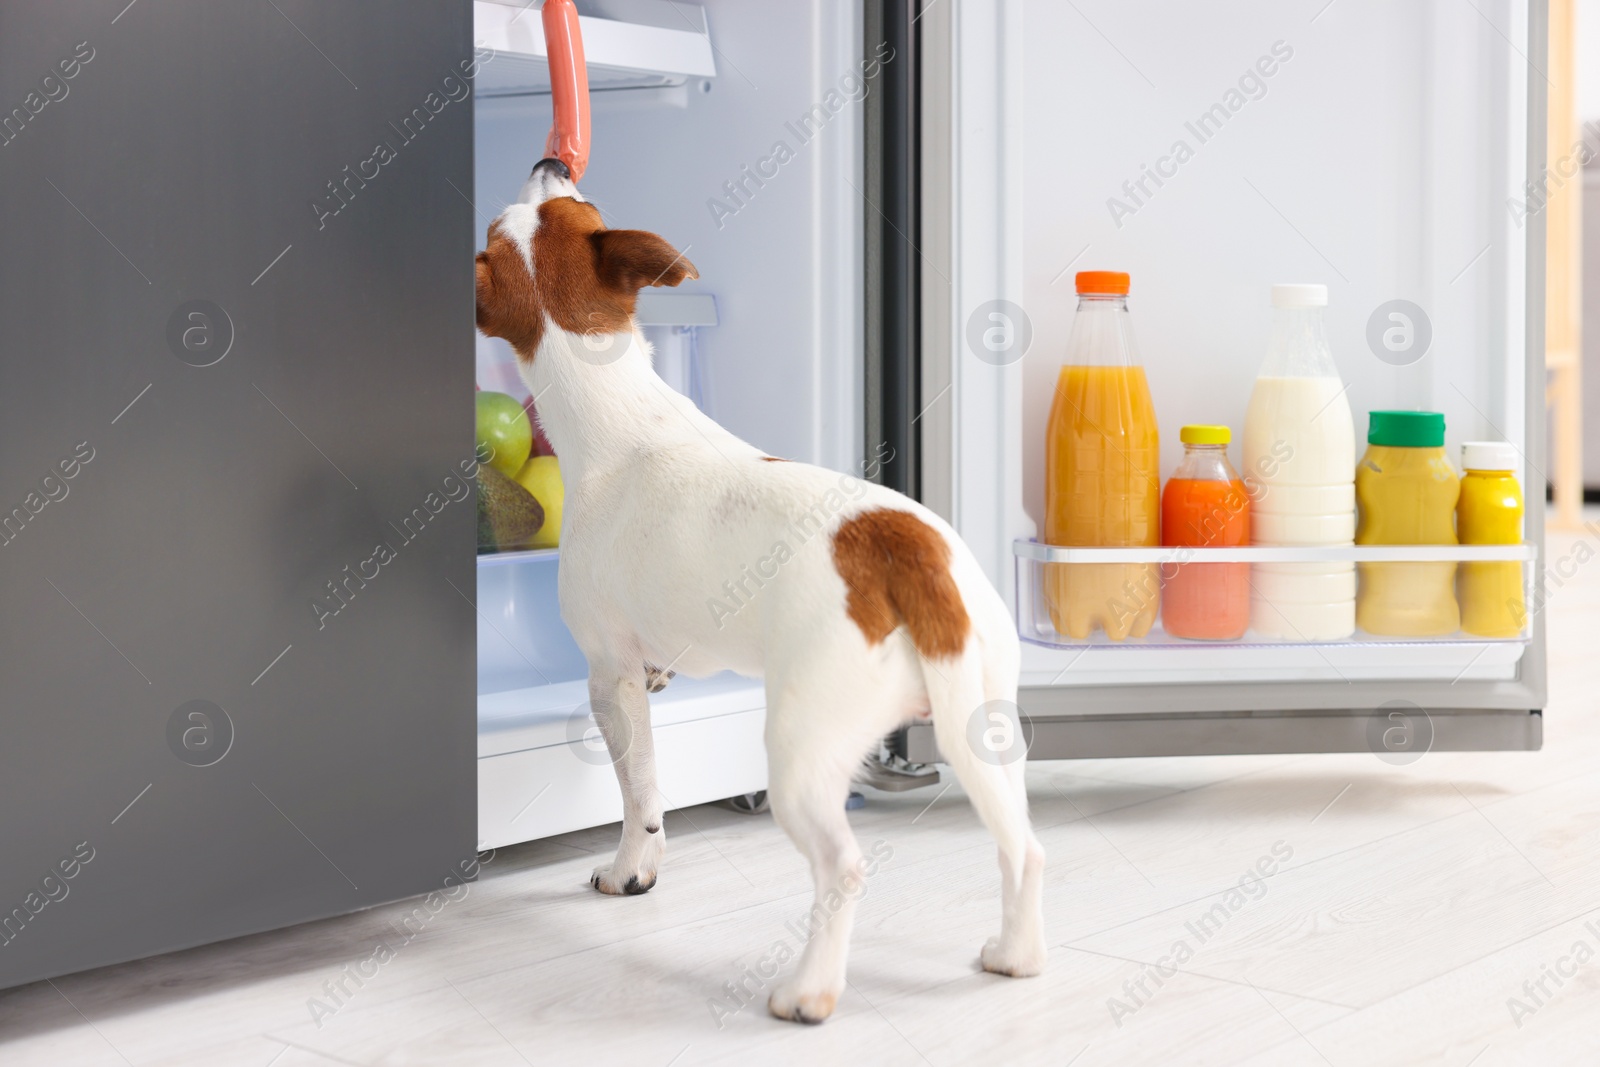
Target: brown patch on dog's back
point(897, 569)
point(773, 459)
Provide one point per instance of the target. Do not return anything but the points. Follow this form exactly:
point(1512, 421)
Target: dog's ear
point(485, 294)
point(632, 259)
point(504, 298)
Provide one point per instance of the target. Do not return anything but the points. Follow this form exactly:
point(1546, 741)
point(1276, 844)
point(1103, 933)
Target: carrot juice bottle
point(1102, 480)
point(1205, 505)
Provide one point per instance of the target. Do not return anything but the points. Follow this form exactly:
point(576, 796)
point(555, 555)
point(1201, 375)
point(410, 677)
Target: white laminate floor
point(1414, 909)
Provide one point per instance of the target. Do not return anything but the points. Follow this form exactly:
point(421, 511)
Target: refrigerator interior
point(1380, 156)
point(767, 341)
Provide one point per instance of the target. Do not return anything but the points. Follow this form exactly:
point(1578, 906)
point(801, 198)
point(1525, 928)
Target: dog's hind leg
point(622, 711)
point(818, 727)
point(973, 698)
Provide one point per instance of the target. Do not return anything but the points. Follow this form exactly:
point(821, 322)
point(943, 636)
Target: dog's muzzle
point(550, 179)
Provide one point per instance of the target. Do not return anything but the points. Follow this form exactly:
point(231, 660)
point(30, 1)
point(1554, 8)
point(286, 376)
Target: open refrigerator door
point(1384, 153)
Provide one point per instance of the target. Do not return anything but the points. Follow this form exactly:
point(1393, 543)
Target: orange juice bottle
point(1102, 470)
point(1205, 505)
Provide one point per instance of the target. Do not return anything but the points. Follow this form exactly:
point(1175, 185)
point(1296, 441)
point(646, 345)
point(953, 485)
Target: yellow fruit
point(541, 476)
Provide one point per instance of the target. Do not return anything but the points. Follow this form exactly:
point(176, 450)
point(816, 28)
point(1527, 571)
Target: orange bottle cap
point(1105, 282)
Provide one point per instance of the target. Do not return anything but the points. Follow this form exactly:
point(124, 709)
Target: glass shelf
point(523, 555)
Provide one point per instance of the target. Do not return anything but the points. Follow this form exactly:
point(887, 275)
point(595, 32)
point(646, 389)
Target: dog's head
point(551, 263)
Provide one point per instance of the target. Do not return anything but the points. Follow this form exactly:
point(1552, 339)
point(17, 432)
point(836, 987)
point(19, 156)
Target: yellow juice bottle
point(1490, 513)
point(1102, 471)
point(1406, 493)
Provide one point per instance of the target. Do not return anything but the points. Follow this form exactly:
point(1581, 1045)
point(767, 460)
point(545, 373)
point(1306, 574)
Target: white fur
point(518, 222)
point(520, 219)
point(667, 514)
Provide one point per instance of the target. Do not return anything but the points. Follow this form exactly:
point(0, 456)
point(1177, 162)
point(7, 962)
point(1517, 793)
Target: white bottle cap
point(1488, 456)
point(1299, 296)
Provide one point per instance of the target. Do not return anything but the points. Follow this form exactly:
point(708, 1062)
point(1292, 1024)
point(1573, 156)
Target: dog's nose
point(555, 167)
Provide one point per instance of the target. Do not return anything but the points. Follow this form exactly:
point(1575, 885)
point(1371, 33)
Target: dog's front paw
point(617, 882)
point(798, 1005)
point(1014, 961)
point(633, 870)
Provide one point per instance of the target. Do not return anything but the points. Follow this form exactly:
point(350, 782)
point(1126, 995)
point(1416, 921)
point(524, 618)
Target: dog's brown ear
point(632, 259)
point(504, 297)
point(485, 294)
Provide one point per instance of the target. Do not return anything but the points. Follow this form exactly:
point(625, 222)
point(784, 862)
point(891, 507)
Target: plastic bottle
point(1489, 512)
point(1102, 470)
point(1299, 455)
point(1406, 490)
point(1205, 504)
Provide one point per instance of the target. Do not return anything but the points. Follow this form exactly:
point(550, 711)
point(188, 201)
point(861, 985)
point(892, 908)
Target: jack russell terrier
point(868, 610)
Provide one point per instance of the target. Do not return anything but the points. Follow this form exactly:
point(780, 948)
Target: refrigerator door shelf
point(1043, 553)
point(1151, 568)
point(640, 44)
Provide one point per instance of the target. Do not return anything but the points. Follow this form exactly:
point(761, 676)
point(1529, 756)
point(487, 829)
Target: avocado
point(508, 515)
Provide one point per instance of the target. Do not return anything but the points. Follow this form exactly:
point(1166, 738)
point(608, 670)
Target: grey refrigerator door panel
point(974, 238)
point(236, 550)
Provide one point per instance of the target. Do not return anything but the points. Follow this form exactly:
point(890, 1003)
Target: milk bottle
point(1299, 465)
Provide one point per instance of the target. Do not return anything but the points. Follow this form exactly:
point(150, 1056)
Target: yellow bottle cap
point(1205, 435)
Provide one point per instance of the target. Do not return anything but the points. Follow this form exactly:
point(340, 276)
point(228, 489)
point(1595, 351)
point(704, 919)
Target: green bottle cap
point(1406, 429)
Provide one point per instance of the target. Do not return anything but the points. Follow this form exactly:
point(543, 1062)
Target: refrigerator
point(260, 671)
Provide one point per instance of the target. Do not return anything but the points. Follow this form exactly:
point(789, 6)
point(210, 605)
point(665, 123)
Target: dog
point(685, 549)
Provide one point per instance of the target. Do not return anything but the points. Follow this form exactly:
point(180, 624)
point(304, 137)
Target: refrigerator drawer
point(570, 785)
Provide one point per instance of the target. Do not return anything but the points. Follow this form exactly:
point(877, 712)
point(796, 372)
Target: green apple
point(541, 476)
point(505, 436)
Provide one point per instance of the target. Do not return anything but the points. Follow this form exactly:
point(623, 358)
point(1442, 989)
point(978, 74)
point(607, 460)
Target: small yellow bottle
point(1490, 513)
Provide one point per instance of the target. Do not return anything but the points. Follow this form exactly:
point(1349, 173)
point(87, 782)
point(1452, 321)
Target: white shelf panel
point(527, 555)
point(619, 54)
